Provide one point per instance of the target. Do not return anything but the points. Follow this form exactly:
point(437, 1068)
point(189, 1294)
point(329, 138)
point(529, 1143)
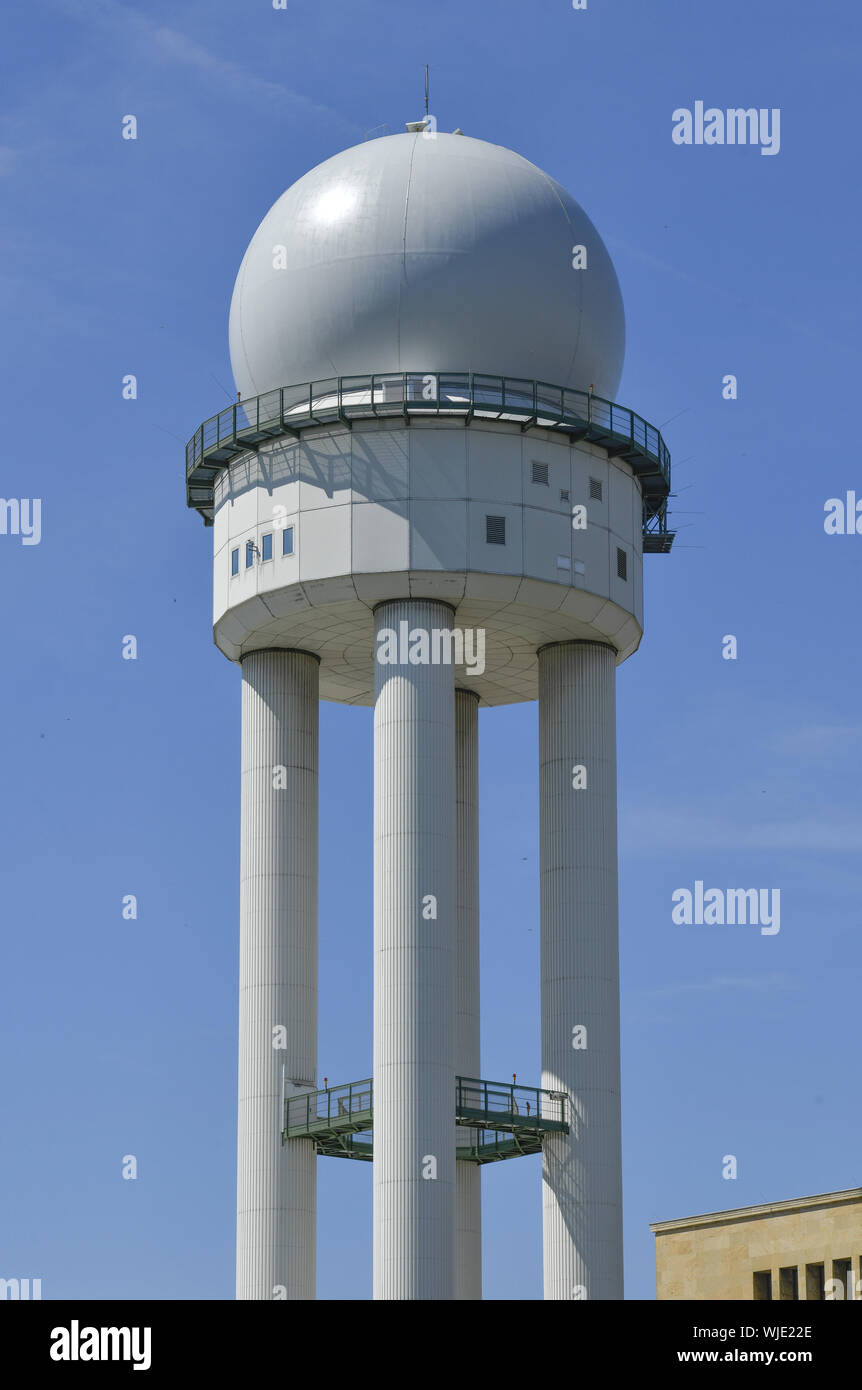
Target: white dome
point(413, 253)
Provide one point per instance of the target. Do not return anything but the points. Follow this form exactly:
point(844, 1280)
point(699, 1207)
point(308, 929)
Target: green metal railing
point(348, 1108)
point(500, 1106)
point(291, 409)
point(499, 1120)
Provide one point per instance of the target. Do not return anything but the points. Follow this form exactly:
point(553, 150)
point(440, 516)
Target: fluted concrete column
point(468, 1185)
point(581, 1171)
point(414, 976)
point(276, 1184)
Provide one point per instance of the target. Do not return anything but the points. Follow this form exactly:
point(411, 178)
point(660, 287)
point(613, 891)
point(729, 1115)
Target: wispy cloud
point(711, 287)
point(653, 829)
point(166, 43)
point(719, 984)
point(819, 740)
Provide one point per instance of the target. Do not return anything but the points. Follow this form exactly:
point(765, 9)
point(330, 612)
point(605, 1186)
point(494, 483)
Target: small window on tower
point(266, 547)
point(287, 541)
point(540, 473)
point(595, 490)
point(234, 561)
point(622, 567)
point(495, 530)
point(249, 554)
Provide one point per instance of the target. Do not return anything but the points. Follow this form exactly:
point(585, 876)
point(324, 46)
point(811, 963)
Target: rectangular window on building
point(622, 566)
point(249, 554)
point(266, 547)
point(788, 1283)
point(540, 473)
point(234, 561)
point(762, 1285)
point(495, 530)
point(840, 1271)
point(287, 541)
point(815, 1282)
point(595, 490)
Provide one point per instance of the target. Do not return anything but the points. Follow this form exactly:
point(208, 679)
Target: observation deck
point(500, 1120)
point(286, 412)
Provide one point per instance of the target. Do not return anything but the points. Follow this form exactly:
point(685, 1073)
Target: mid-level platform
point(499, 1120)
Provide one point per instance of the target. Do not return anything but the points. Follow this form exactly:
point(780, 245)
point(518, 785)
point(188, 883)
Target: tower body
point(276, 1185)
point(426, 445)
point(468, 1187)
point(414, 965)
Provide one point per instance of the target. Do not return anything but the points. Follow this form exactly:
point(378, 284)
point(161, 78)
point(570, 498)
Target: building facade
point(805, 1248)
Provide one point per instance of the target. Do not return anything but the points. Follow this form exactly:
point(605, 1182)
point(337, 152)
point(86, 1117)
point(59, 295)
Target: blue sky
point(123, 777)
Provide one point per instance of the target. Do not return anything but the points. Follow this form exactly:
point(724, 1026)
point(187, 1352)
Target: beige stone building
point(810, 1247)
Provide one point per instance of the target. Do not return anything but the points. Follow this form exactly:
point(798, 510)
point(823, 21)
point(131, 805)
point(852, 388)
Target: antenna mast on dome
point(427, 85)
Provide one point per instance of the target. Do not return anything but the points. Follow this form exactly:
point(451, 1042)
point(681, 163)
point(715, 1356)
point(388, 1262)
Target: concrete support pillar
point(468, 1185)
point(414, 965)
point(581, 1171)
point(276, 1184)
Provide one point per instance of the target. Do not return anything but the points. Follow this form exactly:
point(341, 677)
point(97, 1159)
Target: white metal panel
point(381, 537)
point(495, 464)
point(325, 549)
point(438, 535)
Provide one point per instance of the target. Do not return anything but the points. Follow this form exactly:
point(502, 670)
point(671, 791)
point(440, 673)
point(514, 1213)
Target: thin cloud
point(167, 43)
point(652, 829)
point(637, 253)
point(719, 984)
point(819, 740)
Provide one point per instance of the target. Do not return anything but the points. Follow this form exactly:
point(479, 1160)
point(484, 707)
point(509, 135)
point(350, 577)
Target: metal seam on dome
point(580, 314)
point(403, 276)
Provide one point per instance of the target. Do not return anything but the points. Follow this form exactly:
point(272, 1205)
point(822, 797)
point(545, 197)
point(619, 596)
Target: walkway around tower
point(499, 1120)
point(579, 414)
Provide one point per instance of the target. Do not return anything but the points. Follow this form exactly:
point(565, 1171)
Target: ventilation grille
point(540, 473)
point(622, 570)
point(595, 490)
point(495, 530)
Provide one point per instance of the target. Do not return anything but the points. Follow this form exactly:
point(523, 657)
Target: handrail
point(477, 1102)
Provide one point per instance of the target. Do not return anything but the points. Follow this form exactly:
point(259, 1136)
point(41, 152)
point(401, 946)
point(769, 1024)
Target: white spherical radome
point(426, 253)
